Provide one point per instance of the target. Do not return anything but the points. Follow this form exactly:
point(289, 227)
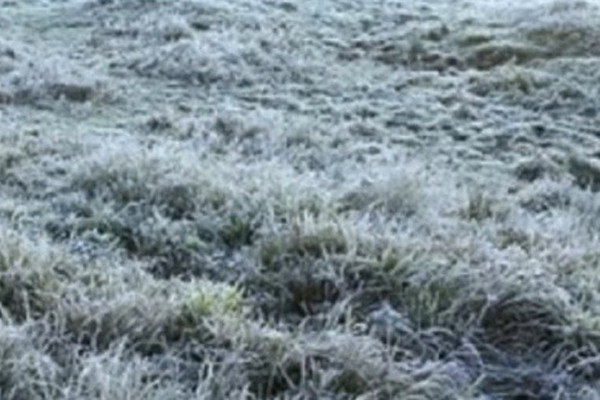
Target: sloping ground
point(299, 199)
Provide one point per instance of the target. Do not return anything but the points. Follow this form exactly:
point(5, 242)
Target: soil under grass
point(336, 199)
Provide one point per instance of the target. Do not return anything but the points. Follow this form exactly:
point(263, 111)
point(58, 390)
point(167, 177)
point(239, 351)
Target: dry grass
point(299, 200)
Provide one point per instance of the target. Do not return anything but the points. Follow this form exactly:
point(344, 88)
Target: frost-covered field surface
point(317, 199)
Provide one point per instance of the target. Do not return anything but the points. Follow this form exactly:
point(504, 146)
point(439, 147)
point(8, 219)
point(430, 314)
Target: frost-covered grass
point(299, 199)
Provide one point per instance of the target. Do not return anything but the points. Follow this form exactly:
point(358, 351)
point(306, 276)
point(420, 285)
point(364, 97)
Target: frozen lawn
point(316, 199)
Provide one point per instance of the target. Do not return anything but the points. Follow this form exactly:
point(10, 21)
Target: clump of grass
point(121, 178)
point(567, 30)
point(479, 207)
point(394, 198)
point(511, 236)
point(9, 157)
point(173, 28)
point(118, 374)
point(173, 248)
point(152, 185)
point(533, 169)
point(473, 37)
point(32, 276)
point(35, 82)
point(398, 194)
point(586, 171)
point(422, 51)
point(308, 238)
point(200, 299)
point(529, 318)
point(510, 81)
point(546, 195)
point(26, 371)
point(294, 267)
point(95, 324)
point(491, 55)
point(122, 3)
point(334, 363)
point(197, 63)
point(238, 230)
point(152, 317)
point(172, 178)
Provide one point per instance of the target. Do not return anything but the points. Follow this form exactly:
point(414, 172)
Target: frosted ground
point(332, 199)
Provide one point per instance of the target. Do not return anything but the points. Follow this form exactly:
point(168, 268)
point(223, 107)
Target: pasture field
point(301, 199)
